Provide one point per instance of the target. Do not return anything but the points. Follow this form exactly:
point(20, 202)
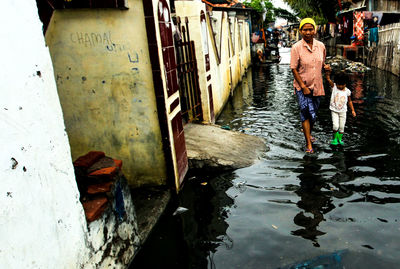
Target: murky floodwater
point(338, 208)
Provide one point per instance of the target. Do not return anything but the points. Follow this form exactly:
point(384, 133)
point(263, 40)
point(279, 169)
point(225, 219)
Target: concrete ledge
point(211, 148)
point(150, 203)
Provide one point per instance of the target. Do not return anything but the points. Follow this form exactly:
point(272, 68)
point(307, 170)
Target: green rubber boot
point(339, 138)
point(334, 141)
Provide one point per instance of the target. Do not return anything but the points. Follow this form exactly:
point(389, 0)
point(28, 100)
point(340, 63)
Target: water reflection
point(378, 94)
point(204, 226)
point(289, 207)
point(313, 202)
point(357, 87)
point(334, 186)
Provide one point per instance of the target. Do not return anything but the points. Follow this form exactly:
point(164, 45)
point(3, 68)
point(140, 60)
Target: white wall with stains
point(232, 47)
point(42, 223)
point(105, 83)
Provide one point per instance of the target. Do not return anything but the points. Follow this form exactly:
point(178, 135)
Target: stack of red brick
point(96, 175)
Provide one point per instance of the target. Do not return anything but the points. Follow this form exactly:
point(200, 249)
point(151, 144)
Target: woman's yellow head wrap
point(307, 20)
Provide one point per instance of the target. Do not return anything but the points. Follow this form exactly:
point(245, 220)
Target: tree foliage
point(258, 5)
point(266, 8)
point(284, 14)
point(262, 7)
point(321, 10)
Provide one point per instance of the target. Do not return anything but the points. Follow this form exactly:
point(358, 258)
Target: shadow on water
point(313, 201)
point(189, 239)
point(337, 208)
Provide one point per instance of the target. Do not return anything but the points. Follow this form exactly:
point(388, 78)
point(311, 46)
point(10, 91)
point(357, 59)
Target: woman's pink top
point(309, 63)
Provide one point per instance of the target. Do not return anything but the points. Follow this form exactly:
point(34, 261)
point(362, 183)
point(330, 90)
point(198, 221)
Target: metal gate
point(188, 76)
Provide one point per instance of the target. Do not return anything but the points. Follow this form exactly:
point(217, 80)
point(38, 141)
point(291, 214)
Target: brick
point(95, 208)
point(100, 164)
point(99, 188)
point(89, 159)
point(105, 172)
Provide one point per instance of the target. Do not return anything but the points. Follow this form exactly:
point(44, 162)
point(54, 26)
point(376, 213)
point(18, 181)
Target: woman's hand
point(327, 68)
point(353, 113)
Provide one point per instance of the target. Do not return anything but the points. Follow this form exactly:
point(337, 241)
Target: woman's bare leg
point(307, 133)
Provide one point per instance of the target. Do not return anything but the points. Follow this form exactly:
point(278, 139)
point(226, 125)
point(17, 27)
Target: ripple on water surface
point(338, 208)
point(336, 199)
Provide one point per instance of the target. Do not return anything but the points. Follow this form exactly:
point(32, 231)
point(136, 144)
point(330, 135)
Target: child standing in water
point(340, 98)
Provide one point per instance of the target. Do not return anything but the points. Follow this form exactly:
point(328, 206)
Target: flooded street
point(337, 208)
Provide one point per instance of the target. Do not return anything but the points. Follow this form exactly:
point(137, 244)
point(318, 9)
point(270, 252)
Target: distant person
point(373, 37)
point(340, 98)
point(307, 59)
point(276, 36)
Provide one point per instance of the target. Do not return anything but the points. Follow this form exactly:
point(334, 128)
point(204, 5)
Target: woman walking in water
point(307, 59)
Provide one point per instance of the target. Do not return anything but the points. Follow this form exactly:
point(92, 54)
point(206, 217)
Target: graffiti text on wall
point(92, 39)
point(134, 59)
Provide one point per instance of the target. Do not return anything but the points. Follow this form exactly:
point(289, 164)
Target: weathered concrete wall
point(112, 241)
point(221, 58)
point(104, 80)
point(228, 46)
point(192, 10)
point(386, 55)
point(234, 53)
point(42, 221)
point(42, 224)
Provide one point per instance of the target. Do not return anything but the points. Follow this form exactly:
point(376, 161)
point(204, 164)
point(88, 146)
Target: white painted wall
point(42, 224)
point(233, 63)
point(192, 9)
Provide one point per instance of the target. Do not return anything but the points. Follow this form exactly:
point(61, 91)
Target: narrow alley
point(337, 207)
point(165, 133)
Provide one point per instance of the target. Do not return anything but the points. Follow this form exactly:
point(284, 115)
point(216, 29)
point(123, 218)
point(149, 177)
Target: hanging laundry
point(345, 25)
point(373, 35)
point(358, 25)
